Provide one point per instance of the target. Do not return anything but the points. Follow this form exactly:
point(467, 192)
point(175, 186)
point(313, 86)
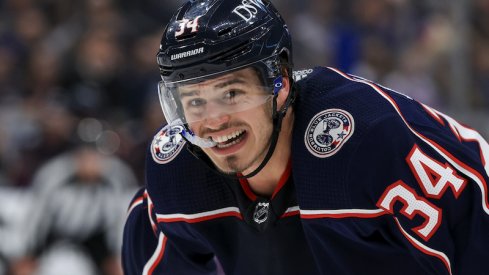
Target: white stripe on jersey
point(136, 203)
point(150, 210)
point(341, 212)
point(155, 259)
point(217, 212)
point(292, 209)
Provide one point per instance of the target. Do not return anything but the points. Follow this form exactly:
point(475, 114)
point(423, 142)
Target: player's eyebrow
point(189, 93)
point(217, 86)
point(230, 82)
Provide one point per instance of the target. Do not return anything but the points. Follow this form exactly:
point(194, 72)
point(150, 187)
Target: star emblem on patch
point(167, 144)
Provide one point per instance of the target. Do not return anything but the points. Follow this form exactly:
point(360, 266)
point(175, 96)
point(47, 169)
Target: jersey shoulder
point(335, 111)
point(355, 137)
point(347, 128)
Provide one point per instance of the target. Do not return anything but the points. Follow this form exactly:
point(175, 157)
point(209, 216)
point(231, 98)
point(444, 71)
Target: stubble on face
point(235, 165)
point(249, 158)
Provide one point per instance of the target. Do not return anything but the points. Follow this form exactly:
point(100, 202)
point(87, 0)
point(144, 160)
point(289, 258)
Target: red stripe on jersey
point(433, 114)
point(245, 185)
point(291, 211)
point(155, 259)
point(247, 189)
point(150, 211)
point(135, 203)
point(199, 217)
point(283, 179)
point(217, 216)
point(160, 256)
point(426, 250)
point(290, 214)
point(340, 214)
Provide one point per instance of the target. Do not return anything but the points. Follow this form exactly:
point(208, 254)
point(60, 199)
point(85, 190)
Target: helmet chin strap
point(277, 118)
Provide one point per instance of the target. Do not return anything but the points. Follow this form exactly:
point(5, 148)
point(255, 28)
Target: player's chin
point(226, 169)
point(231, 165)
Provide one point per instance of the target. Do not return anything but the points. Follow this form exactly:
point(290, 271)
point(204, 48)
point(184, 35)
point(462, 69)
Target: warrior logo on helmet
point(328, 131)
point(167, 144)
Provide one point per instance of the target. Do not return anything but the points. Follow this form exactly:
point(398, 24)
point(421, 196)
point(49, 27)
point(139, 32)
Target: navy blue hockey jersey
point(377, 184)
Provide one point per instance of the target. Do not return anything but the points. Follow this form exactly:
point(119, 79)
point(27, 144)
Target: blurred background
point(78, 103)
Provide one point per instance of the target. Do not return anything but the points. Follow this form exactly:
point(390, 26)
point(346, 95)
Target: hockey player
point(260, 173)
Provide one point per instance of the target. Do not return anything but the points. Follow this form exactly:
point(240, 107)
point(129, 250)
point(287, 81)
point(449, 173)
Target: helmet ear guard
point(277, 85)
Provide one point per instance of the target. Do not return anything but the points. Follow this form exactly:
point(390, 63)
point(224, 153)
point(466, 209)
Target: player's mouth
point(230, 143)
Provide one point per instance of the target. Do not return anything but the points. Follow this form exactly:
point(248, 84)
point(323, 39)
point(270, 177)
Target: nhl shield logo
point(261, 212)
point(328, 131)
point(167, 144)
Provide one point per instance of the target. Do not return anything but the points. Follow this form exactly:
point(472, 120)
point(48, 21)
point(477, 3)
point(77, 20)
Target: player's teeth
point(222, 139)
point(227, 145)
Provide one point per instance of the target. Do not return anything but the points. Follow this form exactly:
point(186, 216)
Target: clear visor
point(212, 97)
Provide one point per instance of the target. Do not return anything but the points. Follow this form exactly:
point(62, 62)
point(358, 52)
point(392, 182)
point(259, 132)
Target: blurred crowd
point(411, 46)
point(78, 103)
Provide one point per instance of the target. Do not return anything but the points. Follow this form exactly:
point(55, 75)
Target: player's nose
point(216, 117)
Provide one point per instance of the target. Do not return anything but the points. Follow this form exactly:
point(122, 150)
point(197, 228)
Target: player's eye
point(196, 102)
point(232, 96)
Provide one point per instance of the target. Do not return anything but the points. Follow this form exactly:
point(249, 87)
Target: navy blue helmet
point(207, 37)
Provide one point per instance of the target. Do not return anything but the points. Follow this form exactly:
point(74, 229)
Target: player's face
point(242, 135)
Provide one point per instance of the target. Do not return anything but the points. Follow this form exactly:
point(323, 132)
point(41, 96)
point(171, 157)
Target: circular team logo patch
point(167, 144)
point(328, 131)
